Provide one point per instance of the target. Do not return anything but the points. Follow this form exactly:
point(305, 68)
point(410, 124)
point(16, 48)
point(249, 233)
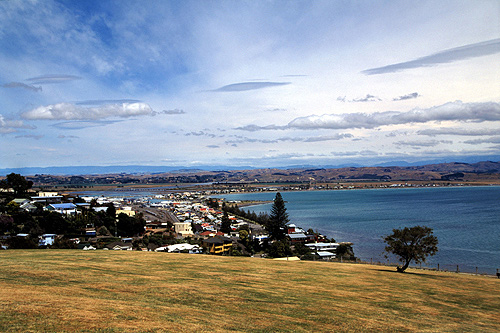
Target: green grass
point(115, 291)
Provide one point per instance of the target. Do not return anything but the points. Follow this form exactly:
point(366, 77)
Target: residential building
point(218, 245)
point(64, 208)
point(183, 228)
point(46, 239)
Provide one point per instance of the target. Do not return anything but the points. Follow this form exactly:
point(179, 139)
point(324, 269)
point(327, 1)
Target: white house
point(324, 250)
point(332, 247)
point(179, 248)
point(325, 255)
point(46, 239)
point(183, 228)
point(64, 208)
point(44, 194)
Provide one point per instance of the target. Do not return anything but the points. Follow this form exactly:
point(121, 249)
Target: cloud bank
point(335, 137)
point(459, 53)
point(455, 111)
point(458, 131)
point(420, 144)
point(452, 111)
point(480, 141)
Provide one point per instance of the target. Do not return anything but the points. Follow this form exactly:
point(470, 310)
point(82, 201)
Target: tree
point(409, 244)
point(111, 210)
point(103, 231)
point(18, 183)
point(278, 219)
point(130, 226)
point(279, 249)
point(27, 242)
point(6, 224)
point(225, 225)
point(53, 223)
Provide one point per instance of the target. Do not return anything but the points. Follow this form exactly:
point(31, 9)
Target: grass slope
point(108, 291)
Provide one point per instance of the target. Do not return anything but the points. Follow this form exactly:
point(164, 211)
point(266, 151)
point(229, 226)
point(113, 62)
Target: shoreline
point(466, 266)
point(257, 188)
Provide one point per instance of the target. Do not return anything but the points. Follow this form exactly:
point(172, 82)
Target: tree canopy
point(225, 226)
point(278, 219)
point(411, 244)
point(17, 183)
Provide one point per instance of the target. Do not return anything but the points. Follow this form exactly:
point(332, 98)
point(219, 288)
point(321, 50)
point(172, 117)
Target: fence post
point(438, 267)
point(457, 269)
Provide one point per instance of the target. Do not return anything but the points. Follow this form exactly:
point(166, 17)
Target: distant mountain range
point(152, 170)
point(486, 172)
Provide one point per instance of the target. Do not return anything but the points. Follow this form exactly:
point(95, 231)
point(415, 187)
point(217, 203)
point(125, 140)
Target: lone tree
point(278, 219)
point(409, 244)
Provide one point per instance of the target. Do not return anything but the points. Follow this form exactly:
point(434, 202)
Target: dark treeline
point(261, 218)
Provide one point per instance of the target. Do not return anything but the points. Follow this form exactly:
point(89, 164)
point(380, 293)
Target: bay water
point(466, 220)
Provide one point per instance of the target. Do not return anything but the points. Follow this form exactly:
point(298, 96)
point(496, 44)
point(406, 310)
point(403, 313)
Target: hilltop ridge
point(486, 172)
point(118, 291)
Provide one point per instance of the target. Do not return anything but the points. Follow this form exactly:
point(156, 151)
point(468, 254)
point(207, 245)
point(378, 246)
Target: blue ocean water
point(466, 220)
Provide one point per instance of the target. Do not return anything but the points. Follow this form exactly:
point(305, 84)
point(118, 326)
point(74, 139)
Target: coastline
point(458, 215)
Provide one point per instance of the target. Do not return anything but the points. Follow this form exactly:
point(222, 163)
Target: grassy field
point(123, 291)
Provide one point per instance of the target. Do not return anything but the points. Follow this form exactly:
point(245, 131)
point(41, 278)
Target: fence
point(455, 268)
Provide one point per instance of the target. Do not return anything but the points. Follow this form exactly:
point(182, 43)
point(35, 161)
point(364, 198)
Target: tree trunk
point(405, 266)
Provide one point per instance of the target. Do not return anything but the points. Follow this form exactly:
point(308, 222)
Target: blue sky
point(248, 83)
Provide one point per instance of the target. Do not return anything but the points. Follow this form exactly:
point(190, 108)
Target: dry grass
point(108, 291)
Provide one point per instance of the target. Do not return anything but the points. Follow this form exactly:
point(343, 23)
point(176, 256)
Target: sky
point(248, 83)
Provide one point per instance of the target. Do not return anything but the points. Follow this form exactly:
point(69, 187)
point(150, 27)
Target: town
point(189, 221)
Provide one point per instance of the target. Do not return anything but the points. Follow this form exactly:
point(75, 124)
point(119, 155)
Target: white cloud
point(367, 98)
point(68, 111)
point(11, 126)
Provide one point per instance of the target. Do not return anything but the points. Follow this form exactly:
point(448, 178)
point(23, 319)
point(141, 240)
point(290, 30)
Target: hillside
point(485, 172)
point(122, 291)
